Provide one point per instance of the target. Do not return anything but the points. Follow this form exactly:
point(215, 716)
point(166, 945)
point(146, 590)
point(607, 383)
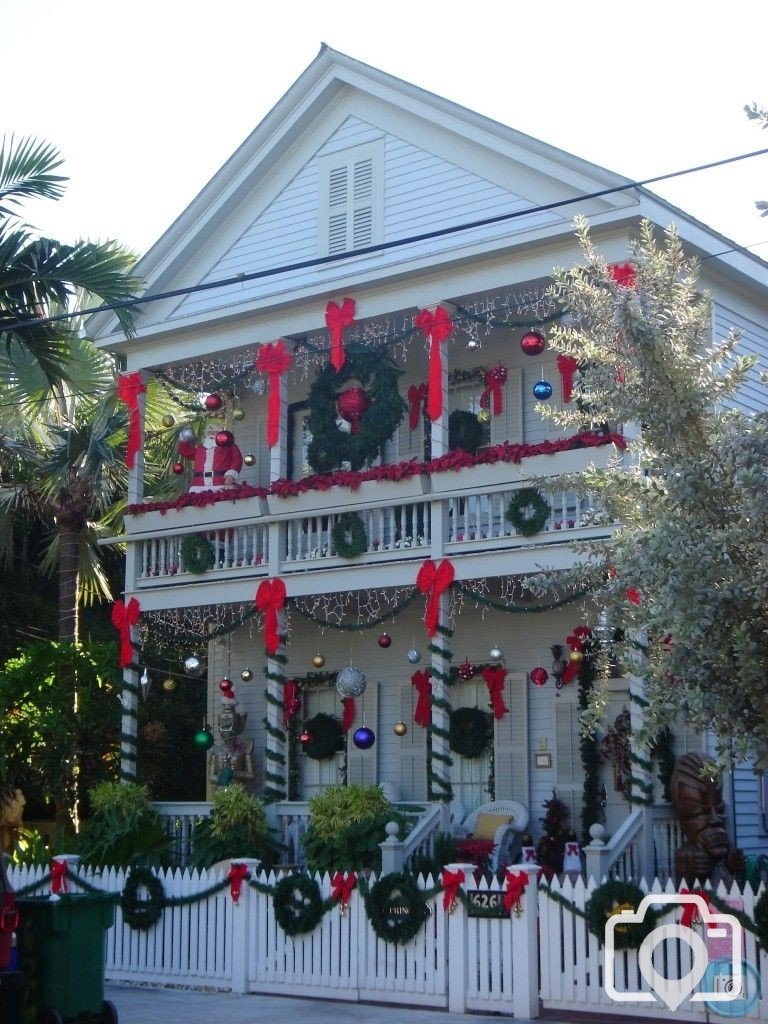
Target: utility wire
point(319, 261)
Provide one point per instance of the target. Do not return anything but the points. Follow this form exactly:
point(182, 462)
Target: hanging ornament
point(400, 728)
point(178, 468)
point(249, 460)
point(352, 404)
point(213, 402)
point(473, 344)
point(238, 414)
point(145, 682)
point(559, 664)
point(246, 675)
point(225, 685)
point(225, 438)
point(318, 660)
point(385, 640)
point(203, 738)
point(169, 684)
point(193, 666)
point(187, 434)
point(542, 390)
point(533, 343)
point(539, 676)
point(576, 656)
point(467, 671)
point(414, 656)
point(351, 682)
point(259, 386)
point(484, 416)
point(305, 738)
point(496, 654)
point(364, 738)
point(168, 420)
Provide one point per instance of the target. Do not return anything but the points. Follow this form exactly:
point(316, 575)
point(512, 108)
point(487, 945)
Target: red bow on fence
point(690, 913)
point(273, 360)
point(237, 875)
point(348, 715)
point(451, 881)
point(529, 854)
point(59, 876)
point(433, 580)
point(423, 713)
point(516, 883)
point(270, 599)
point(567, 365)
point(291, 703)
point(342, 886)
point(436, 326)
point(337, 317)
point(494, 676)
point(417, 393)
point(129, 387)
point(123, 617)
point(571, 849)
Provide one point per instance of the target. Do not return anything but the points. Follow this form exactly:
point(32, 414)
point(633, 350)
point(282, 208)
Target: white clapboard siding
point(569, 770)
point(511, 743)
point(508, 426)
point(751, 397)
point(362, 765)
point(413, 749)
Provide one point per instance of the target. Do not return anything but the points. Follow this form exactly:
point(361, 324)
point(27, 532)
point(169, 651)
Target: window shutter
point(511, 743)
point(316, 775)
point(353, 212)
point(412, 754)
point(362, 765)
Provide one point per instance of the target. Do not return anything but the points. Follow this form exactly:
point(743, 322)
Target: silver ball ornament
point(193, 666)
point(187, 434)
point(414, 656)
point(351, 682)
point(246, 675)
point(496, 654)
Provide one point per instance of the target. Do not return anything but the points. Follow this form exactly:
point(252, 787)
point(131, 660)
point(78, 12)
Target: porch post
point(525, 943)
point(275, 753)
point(439, 763)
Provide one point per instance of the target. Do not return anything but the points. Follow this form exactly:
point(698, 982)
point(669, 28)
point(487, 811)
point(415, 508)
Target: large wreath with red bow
point(330, 446)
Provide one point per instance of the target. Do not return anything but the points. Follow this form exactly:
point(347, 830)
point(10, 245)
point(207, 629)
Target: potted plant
point(347, 823)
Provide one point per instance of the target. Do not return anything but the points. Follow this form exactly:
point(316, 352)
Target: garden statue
point(11, 812)
point(217, 459)
point(231, 758)
point(697, 797)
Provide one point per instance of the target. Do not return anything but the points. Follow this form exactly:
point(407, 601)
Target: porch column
point(275, 752)
point(439, 762)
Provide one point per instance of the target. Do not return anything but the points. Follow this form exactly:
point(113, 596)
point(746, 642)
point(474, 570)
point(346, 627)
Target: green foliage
point(445, 851)
point(237, 827)
point(124, 828)
point(347, 823)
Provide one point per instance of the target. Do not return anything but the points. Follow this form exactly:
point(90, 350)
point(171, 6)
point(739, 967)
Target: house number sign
point(485, 904)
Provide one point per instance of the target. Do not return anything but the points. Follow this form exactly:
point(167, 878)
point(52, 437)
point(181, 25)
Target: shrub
point(237, 827)
point(124, 828)
point(347, 823)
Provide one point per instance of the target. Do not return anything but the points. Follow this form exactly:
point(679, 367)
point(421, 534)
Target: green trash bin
point(62, 948)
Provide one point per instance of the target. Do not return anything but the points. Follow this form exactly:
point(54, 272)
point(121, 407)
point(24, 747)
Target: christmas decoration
point(352, 405)
point(249, 459)
point(305, 738)
point(623, 274)
point(318, 660)
point(466, 671)
point(559, 664)
point(417, 398)
point(259, 387)
point(533, 343)
point(203, 738)
point(527, 511)
point(576, 656)
point(273, 360)
point(451, 882)
point(236, 875)
point(385, 640)
point(496, 654)
point(168, 420)
point(396, 908)
point(567, 367)
point(549, 850)
point(291, 702)
point(196, 553)
point(400, 729)
point(270, 600)
point(177, 468)
point(129, 387)
point(297, 904)
point(469, 731)
point(414, 656)
point(436, 327)
point(494, 676)
point(434, 580)
point(465, 432)
point(348, 535)
point(224, 438)
point(572, 853)
point(213, 402)
point(246, 675)
point(337, 317)
point(348, 715)
point(238, 414)
point(125, 616)
point(193, 666)
point(422, 714)
point(142, 899)
point(542, 390)
point(484, 416)
point(341, 888)
point(539, 676)
point(187, 434)
point(612, 898)
point(227, 687)
point(169, 684)
point(215, 464)
point(495, 379)
point(364, 738)
point(351, 682)
point(515, 883)
point(325, 738)
point(615, 747)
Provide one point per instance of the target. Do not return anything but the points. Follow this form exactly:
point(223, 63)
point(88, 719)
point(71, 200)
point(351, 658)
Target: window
point(351, 188)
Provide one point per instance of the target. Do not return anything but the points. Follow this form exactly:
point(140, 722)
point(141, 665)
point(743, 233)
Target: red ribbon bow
point(690, 913)
point(433, 580)
point(623, 274)
point(290, 701)
point(270, 599)
point(567, 365)
point(129, 387)
point(423, 713)
point(492, 392)
point(529, 854)
point(451, 881)
point(237, 875)
point(337, 317)
point(273, 360)
point(123, 617)
point(436, 326)
point(59, 876)
point(494, 678)
point(633, 595)
point(348, 715)
point(342, 886)
point(417, 393)
point(572, 849)
point(516, 883)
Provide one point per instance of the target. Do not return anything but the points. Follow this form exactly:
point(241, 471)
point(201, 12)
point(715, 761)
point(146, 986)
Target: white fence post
point(241, 928)
point(525, 943)
point(457, 943)
point(391, 850)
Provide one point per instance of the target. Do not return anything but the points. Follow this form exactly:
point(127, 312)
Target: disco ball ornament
point(259, 386)
point(473, 344)
point(466, 671)
point(385, 640)
point(539, 676)
point(364, 738)
point(193, 666)
point(351, 682)
point(225, 685)
point(249, 460)
point(484, 416)
point(400, 728)
point(496, 654)
point(238, 414)
point(305, 738)
point(576, 656)
point(187, 434)
point(178, 468)
point(318, 660)
point(203, 738)
point(213, 402)
point(414, 656)
point(542, 390)
point(225, 438)
point(246, 675)
point(533, 343)
point(352, 404)
point(168, 420)
point(169, 685)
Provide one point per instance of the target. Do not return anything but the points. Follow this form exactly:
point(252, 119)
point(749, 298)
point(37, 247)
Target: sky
point(146, 100)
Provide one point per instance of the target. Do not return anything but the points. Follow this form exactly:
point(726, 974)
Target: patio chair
point(492, 833)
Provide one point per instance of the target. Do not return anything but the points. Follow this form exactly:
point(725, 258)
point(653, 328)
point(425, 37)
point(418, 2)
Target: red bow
point(273, 360)
point(270, 599)
point(572, 849)
point(423, 713)
point(451, 881)
point(123, 617)
point(493, 384)
point(348, 715)
point(59, 876)
point(516, 882)
point(337, 317)
point(436, 326)
point(237, 875)
point(633, 595)
point(494, 678)
point(416, 395)
point(567, 365)
point(529, 854)
point(290, 701)
point(342, 886)
point(690, 913)
point(433, 580)
point(623, 274)
point(129, 387)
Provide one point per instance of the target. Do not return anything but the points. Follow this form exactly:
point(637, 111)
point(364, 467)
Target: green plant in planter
point(347, 823)
point(237, 827)
point(124, 829)
point(465, 431)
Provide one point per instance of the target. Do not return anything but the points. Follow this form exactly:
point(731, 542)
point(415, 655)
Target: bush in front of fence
point(346, 825)
point(237, 827)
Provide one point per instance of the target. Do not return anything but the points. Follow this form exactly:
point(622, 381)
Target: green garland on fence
point(606, 900)
point(196, 553)
point(349, 537)
point(298, 904)
point(528, 511)
point(396, 907)
point(142, 914)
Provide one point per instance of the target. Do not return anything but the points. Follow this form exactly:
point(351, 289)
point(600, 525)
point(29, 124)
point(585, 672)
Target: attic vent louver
point(353, 197)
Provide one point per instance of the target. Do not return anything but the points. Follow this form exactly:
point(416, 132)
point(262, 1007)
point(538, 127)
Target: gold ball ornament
point(169, 685)
point(168, 420)
point(400, 729)
point(576, 656)
point(238, 414)
point(249, 460)
point(318, 660)
point(484, 416)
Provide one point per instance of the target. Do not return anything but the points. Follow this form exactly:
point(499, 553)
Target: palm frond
point(26, 172)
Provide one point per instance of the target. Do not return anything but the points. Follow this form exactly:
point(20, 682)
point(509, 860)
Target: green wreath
point(349, 537)
point(330, 446)
point(605, 901)
point(527, 511)
point(298, 904)
point(465, 431)
point(396, 908)
point(196, 553)
point(142, 913)
point(469, 730)
point(325, 737)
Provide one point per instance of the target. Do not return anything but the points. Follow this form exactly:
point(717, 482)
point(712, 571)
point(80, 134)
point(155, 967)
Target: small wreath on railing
point(612, 898)
point(469, 730)
point(528, 511)
point(349, 537)
point(196, 553)
point(325, 737)
point(298, 904)
point(396, 908)
point(142, 913)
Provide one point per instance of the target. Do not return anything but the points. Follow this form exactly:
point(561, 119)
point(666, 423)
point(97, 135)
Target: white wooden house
point(363, 186)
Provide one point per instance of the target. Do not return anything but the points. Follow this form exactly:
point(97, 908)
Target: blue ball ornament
point(364, 738)
point(542, 390)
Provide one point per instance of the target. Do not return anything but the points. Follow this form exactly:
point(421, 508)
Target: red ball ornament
point(496, 375)
point(385, 640)
point(466, 671)
point(224, 438)
point(225, 685)
point(213, 402)
point(305, 738)
point(533, 343)
point(178, 468)
point(539, 676)
point(352, 403)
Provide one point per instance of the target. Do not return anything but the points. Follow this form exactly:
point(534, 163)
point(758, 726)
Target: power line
point(319, 261)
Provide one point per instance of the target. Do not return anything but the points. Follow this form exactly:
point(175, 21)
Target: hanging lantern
point(178, 468)
point(169, 684)
point(352, 404)
point(496, 654)
point(414, 656)
point(238, 414)
point(187, 434)
point(385, 640)
point(225, 438)
point(168, 420)
point(466, 671)
point(351, 682)
point(225, 685)
point(213, 402)
point(364, 738)
point(305, 738)
point(193, 666)
point(484, 416)
point(246, 675)
point(542, 390)
point(400, 728)
point(533, 343)
point(318, 660)
point(249, 460)
point(203, 738)
point(539, 676)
